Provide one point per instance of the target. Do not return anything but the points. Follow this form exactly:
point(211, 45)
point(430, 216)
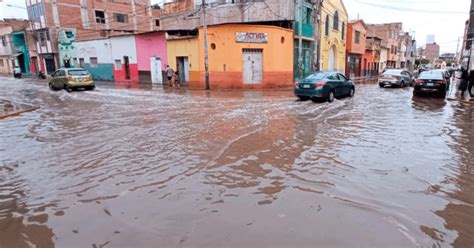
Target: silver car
point(399, 78)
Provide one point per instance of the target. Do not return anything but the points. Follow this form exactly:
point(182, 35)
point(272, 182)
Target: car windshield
point(393, 72)
point(78, 73)
point(431, 75)
point(317, 76)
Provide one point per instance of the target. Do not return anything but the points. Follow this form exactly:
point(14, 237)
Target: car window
point(342, 77)
point(61, 73)
point(393, 72)
point(78, 73)
point(317, 76)
point(55, 74)
point(409, 74)
point(333, 77)
point(436, 75)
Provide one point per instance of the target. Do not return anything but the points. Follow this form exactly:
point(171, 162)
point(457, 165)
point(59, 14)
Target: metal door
point(155, 70)
point(186, 69)
point(252, 66)
point(180, 67)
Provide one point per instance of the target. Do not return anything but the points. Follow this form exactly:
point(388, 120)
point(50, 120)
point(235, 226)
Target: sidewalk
point(455, 95)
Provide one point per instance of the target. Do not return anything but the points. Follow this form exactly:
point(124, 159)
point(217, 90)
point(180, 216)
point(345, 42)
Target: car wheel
point(331, 96)
point(67, 88)
point(303, 98)
point(352, 92)
point(91, 88)
point(402, 85)
point(381, 86)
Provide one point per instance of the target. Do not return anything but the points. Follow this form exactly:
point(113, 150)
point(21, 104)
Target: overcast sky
point(443, 18)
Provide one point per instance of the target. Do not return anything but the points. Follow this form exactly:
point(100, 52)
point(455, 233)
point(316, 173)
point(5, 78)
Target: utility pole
point(206, 54)
point(457, 51)
point(300, 39)
point(318, 34)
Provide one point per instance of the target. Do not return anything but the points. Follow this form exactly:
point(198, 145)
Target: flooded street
point(146, 167)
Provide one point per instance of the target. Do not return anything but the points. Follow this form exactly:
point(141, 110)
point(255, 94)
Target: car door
point(345, 84)
point(334, 83)
point(62, 77)
point(410, 79)
point(53, 80)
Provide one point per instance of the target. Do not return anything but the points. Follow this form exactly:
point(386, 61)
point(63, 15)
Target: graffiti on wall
point(67, 48)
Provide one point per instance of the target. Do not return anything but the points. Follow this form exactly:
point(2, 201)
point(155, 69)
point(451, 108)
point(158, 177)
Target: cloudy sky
point(443, 18)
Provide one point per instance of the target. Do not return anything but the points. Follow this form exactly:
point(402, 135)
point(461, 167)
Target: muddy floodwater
point(130, 166)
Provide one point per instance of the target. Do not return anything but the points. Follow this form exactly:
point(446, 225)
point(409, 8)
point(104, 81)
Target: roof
point(359, 21)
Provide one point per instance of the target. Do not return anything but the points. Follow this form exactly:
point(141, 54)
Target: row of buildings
point(250, 43)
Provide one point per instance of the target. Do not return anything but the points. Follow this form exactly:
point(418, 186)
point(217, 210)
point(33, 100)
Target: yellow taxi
point(71, 79)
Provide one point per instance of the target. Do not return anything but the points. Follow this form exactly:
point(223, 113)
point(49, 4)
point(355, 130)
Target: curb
point(17, 113)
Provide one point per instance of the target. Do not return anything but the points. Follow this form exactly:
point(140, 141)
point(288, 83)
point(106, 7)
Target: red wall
point(119, 75)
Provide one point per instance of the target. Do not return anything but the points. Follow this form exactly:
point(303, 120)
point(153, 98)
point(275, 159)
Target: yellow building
point(334, 20)
point(183, 57)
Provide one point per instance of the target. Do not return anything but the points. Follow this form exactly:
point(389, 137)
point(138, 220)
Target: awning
point(16, 55)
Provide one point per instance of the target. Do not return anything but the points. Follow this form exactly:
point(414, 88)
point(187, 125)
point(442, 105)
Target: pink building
point(151, 56)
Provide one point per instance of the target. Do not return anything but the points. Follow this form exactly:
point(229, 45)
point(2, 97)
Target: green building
point(21, 52)
point(307, 18)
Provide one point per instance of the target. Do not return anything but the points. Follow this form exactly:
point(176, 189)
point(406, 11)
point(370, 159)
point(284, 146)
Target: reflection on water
point(127, 166)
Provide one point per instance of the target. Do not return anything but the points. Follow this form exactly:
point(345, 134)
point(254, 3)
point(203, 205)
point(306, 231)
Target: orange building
point(356, 39)
point(243, 56)
point(371, 58)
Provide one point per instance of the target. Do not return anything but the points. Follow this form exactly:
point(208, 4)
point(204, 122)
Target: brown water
point(120, 167)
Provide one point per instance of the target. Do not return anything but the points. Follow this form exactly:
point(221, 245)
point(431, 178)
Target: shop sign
point(251, 37)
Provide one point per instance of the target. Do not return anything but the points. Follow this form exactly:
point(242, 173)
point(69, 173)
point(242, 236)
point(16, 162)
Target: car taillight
point(297, 84)
point(419, 81)
point(441, 82)
point(320, 84)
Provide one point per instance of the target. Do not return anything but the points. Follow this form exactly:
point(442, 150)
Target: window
point(121, 18)
point(335, 24)
point(94, 62)
point(357, 37)
point(4, 41)
point(343, 31)
point(35, 11)
point(157, 22)
point(1, 63)
point(99, 16)
point(61, 73)
point(342, 77)
point(118, 64)
point(308, 17)
point(326, 26)
point(81, 62)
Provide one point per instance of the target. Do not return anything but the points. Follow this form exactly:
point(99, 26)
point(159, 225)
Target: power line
point(391, 7)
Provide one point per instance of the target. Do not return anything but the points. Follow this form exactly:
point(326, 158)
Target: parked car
point(399, 78)
point(70, 79)
point(324, 86)
point(433, 81)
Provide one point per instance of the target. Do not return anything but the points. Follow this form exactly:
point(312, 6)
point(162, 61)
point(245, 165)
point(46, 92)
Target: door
point(127, 67)
point(186, 69)
point(332, 59)
point(252, 66)
point(335, 83)
point(155, 70)
point(180, 67)
point(50, 65)
point(345, 85)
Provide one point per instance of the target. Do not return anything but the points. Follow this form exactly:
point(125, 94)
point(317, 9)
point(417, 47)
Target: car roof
point(72, 69)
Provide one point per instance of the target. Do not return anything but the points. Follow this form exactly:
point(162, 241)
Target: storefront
point(243, 56)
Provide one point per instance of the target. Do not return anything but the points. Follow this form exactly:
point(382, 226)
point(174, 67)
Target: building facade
point(15, 46)
point(151, 56)
point(389, 33)
point(56, 31)
point(431, 52)
point(356, 42)
point(242, 59)
point(333, 38)
point(371, 58)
